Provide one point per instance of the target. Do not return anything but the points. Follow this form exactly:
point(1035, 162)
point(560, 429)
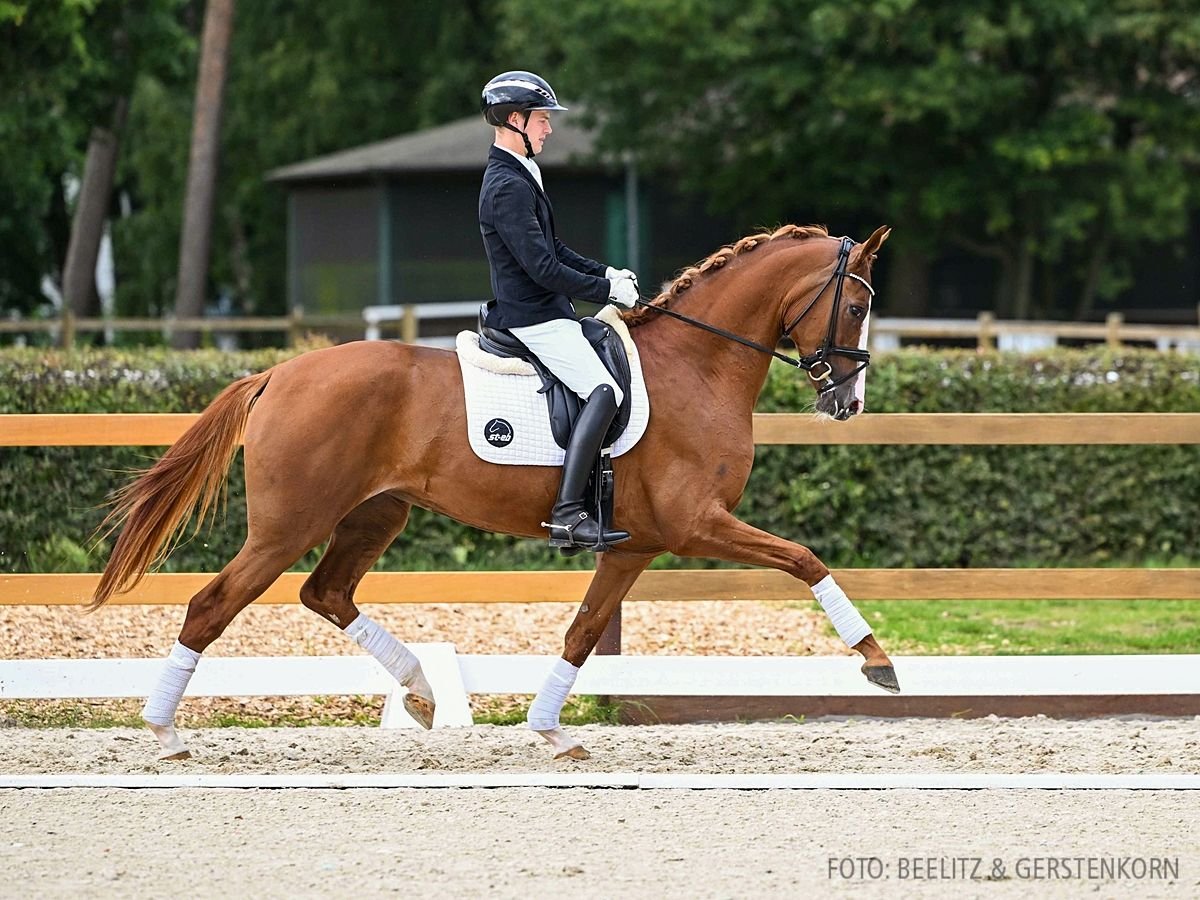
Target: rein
point(828, 348)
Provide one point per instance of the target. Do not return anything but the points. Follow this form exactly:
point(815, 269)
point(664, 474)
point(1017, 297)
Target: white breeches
point(563, 349)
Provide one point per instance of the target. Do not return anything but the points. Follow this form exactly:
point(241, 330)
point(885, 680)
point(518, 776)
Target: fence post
point(408, 325)
point(985, 338)
point(1112, 327)
point(293, 329)
point(67, 336)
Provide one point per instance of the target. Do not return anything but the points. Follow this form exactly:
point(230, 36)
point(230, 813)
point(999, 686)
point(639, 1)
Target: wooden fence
point(747, 682)
point(161, 429)
point(691, 584)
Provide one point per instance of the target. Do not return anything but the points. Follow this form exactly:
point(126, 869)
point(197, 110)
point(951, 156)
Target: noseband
point(816, 364)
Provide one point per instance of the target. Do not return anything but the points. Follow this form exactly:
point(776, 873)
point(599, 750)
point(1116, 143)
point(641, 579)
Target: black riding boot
point(570, 524)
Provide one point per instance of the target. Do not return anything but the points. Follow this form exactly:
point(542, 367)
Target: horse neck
point(739, 301)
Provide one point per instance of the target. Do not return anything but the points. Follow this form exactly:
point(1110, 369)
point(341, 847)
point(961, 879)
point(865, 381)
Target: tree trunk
point(1002, 298)
point(1047, 306)
point(196, 238)
point(1091, 281)
point(908, 281)
point(1022, 296)
point(91, 210)
point(1000, 252)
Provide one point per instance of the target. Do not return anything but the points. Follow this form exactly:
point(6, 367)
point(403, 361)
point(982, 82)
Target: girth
point(562, 403)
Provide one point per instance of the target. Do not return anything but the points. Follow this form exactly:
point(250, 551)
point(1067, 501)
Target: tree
point(65, 82)
point(195, 238)
point(304, 78)
point(91, 210)
point(308, 78)
point(128, 39)
point(45, 53)
point(1051, 138)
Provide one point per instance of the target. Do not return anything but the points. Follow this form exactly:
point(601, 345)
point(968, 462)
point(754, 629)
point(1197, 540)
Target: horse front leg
point(723, 536)
point(615, 575)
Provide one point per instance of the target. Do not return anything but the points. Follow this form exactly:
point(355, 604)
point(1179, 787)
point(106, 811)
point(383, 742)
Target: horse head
point(829, 327)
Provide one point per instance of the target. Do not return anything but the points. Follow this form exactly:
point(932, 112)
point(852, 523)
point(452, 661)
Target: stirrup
point(563, 537)
point(566, 536)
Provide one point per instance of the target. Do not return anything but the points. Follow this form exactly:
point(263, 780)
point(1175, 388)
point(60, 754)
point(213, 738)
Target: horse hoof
point(420, 709)
point(168, 740)
point(565, 746)
point(882, 676)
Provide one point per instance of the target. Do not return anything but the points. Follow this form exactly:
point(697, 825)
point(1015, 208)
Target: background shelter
point(395, 221)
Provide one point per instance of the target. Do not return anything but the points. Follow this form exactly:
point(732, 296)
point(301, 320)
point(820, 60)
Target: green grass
point(1004, 627)
point(500, 710)
point(61, 714)
point(583, 709)
point(126, 714)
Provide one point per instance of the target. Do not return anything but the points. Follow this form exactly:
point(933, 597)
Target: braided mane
point(692, 274)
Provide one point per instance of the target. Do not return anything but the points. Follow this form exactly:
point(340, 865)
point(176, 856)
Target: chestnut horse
point(341, 443)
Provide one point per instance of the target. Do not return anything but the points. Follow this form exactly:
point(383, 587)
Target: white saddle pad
point(507, 419)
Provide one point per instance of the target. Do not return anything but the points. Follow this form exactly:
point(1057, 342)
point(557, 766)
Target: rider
point(534, 275)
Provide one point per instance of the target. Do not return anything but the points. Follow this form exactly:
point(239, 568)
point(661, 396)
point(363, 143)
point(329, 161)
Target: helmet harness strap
point(524, 136)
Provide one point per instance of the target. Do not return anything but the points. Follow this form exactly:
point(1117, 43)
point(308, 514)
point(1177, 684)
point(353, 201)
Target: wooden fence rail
point(691, 584)
point(656, 585)
point(158, 429)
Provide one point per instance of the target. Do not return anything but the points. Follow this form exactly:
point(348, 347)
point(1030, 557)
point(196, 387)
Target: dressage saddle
point(562, 403)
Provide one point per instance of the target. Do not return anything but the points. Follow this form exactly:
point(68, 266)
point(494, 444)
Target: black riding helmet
point(516, 91)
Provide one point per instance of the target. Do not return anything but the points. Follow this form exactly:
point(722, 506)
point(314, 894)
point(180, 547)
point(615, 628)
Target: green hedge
point(855, 506)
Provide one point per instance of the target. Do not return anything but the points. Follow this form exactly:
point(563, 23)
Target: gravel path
point(697, 627)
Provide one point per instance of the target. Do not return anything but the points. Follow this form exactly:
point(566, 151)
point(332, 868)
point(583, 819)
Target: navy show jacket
point(534, 274)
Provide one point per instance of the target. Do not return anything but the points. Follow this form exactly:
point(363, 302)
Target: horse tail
point(155, 508)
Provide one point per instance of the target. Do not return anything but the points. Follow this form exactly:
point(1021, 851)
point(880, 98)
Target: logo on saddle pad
point(498, 433)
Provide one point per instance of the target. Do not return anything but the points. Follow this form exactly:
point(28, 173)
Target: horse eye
point(858, 311)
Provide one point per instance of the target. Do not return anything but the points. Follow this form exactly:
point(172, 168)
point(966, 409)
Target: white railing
point(887, 332)
point(455, 676)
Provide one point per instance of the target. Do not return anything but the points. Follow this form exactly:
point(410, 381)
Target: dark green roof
point(454, 147)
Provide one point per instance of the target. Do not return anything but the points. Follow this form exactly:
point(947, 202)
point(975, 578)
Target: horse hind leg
point(209, 613)
point(615, 575)
point(357, 542)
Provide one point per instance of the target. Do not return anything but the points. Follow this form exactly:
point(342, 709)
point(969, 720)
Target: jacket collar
point(502, 157)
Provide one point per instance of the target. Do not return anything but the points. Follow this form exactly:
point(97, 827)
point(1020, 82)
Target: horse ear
point(874, 242)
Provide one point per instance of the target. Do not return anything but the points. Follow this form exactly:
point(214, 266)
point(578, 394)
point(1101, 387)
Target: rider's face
point(538, 128)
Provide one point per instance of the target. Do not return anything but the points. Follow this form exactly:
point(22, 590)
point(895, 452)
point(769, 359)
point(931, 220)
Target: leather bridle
point(820, 357)
point(816, 364)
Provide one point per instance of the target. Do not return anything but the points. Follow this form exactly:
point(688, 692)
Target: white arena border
point(866, 781)
point(455, 676)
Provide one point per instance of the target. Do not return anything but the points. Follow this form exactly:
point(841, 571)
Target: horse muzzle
point(837, 406)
